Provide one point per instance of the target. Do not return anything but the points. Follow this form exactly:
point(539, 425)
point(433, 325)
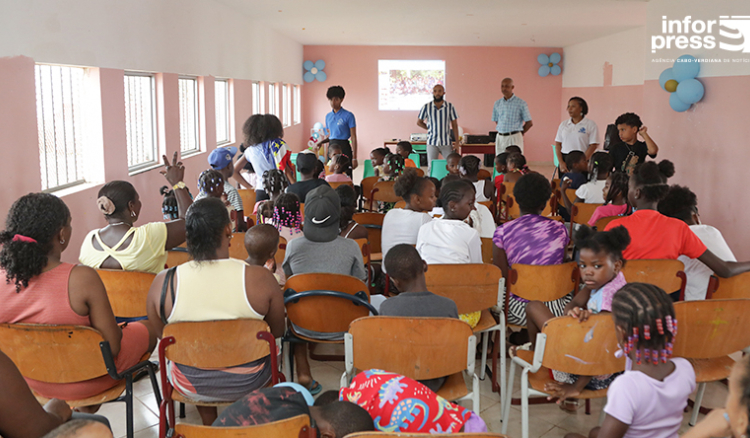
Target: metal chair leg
point(485, 341)
point(154, 384)
point(697, 404)
point(182, 410)
point(129, 405)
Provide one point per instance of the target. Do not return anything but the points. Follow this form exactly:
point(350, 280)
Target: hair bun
point(105, 205)
point(666, 168)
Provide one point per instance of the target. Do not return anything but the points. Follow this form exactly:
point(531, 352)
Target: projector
point(422, 136)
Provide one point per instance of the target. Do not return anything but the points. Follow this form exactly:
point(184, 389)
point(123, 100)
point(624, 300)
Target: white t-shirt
point(479, 186)
point(483, 221)
point(449, 241)
point(697, 273)
point(577, 136)
point(401, 226)
point(591, 192)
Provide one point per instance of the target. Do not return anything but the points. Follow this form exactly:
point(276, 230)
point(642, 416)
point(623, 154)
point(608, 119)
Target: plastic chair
point(210, 344)
point(334, 185)
point(69, 353)
point(293, 159)
point(564, 345)
point(367, 185)
point(237, 246)
point(603, 222)
point(724, 288)
point(383, 192)
point(369, 170)
point(437, 169)
point(667, 274)
point(415, 158)
point(323, 303)
point(581, 214)
point(374, 224)
point(709, 331)
point(298, 427)
point(418, 348)
point(177, 256)
point(127, 291)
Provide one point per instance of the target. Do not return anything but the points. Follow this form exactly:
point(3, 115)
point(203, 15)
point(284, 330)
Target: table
point(483, 148)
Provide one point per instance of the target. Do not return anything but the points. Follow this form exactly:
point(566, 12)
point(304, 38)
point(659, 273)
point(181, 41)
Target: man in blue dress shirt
point(341, 127)
point(512, 117)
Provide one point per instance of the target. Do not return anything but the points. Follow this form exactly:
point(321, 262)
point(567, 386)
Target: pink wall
point(19, 142)
point(473, 76)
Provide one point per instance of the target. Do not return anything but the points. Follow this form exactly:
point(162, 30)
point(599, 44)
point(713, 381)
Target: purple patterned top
point(532, 240)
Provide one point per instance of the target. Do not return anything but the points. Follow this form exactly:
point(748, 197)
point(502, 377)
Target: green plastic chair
point(419, 147)
point(437, 169)
point(296, 167)
point(415, 159)
point(369, 170)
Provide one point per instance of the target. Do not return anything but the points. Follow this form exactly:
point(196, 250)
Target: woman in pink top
point(41, 289)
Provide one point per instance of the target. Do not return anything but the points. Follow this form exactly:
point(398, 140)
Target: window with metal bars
point(189, 115)
point(223, 111)
point(60, 123)
point(140, 121)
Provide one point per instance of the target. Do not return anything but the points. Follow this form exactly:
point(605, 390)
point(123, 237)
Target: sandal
point(315, 387)
point(569, 405)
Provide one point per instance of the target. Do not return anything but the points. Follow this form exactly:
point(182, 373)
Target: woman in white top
point(214, 287)
point(449, 239)
point(577, 133)
point(401, 225)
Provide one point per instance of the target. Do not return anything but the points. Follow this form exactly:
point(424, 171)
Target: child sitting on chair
point(600, 266)
point(404, 148)
point(274, 183)
point(452, 162)
point(392, 169)
point(615, 193)
point(501, 167)
point(516, 167)
point(261, 243)
point(340, 164)
point(377, 156)
point(211, 184)
point(600, 166)
point(287, 217)
point(468, 167)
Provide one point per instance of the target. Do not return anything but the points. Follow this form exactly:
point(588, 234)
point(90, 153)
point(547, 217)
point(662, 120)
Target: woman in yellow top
point(120, 245)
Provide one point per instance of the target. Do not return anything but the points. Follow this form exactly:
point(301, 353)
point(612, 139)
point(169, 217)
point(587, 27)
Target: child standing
point(340, 164)
point(404, 148)
point(600, 266)
point(287, 217)
point(468, 167)
point(649, 398)
point(630, 151)
point(615, 193)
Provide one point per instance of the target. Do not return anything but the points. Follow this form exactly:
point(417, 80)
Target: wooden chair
point(127, 291)
point(555, 184)
point(708, 332)
point(237, 246)
point(374, 224)
point(295, 427)
point(364, 247)
point(418, 348)
point(334, 185)
point(667, 274)
point(248, 203)
point(564, 345)
point(581, 214)
point(68, 353)
point(487, 250)
point(484, 174)
point(400, 204)
point(383, 192)
point(177, 256)
point(420, 172)
point(571, 194)
point(422, 435)
point(210, 344)
point(281, 252)
point(603, 222)
point(734, 287)
point(367, 185)
point(506, 193)
point(491, 207)
point(323, 303)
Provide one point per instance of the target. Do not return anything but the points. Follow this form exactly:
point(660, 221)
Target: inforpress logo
point(701, 34)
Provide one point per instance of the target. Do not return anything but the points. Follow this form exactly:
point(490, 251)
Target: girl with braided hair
point(615, 194)
point(393, 166)
point(649, 398)
point(287, 217)
point(274, 184)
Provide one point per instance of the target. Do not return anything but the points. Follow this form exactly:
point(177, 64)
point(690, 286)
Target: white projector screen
point(407, 85)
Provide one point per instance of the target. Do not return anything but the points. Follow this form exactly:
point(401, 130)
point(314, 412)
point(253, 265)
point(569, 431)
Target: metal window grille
point(140, 120)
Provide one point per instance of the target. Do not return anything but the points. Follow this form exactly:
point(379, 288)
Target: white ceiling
point(534, 23)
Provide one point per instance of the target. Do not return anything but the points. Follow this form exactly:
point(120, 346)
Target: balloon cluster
point(680, 80)
point(315, 134)
point(549, 64)
point(314, 70)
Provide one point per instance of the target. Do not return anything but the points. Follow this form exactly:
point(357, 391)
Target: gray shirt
point(418, 304)
point(339, 256)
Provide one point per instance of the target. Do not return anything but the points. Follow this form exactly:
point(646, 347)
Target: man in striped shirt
point(438, 117)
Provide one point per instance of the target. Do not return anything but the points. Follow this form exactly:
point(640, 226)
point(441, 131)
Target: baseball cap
point(221, 157)
point(306, 162)
point(322, 213)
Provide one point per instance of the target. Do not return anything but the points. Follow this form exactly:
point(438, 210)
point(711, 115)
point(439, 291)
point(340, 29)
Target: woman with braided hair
point(649, 398)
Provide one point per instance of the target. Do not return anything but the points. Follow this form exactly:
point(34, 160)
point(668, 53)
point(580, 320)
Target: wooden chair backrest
point(367, 185)
point(484, 174)
point(325, 314)
point(248, 200)
point(281, 252)
point(383, 191)
point(216, 344)
point(127, 291)
point(473, 287)
point(400, 204)
point(375, 231)
point(334, 185)
point(711, 328)
point(420, 172)
point(507, 189)
point(490, 205)
point(581, 347)
point(176, 258)
point(237, 246)
point(288, 428)
point(667, 274)
point(555, 184)
point(364, 247)
point(543, 282)
point(422, 435)
point(54, 353)
point(418, 348)
point(582, 212)
point(487, 250)
point(550, 209)
point(602, 223)
point(571, 194)
point(734, 287)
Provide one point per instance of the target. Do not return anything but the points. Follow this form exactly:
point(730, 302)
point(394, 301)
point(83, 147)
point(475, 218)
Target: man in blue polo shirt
point(341, 127)
point(512, 117)
point(438, 117)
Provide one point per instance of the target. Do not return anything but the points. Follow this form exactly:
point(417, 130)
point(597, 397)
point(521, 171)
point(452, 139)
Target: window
point(258, 98)
point(287, 105)
point(223, 125)
point(188, 115)
point(140, 121)
point(59, 107)
point(297, 106)
point(273, 104)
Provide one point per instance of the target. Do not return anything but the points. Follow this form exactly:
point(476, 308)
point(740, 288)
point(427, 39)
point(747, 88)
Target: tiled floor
point(545, 420)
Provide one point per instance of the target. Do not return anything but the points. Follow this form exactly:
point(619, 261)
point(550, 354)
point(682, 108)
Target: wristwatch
point(179, 185)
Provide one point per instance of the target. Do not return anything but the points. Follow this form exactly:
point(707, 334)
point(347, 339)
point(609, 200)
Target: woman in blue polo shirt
point(341, 127)
point(577, 133)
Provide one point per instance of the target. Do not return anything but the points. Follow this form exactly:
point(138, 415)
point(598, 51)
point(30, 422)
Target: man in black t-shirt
point(630, 151)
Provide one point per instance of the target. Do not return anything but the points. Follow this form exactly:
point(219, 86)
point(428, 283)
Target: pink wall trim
point(473, 76)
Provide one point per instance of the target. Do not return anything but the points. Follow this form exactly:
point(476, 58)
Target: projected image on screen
point(407, 85)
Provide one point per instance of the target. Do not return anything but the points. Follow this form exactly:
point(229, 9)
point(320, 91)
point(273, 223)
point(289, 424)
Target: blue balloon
point(308, 77)
point(320, 64)
point(544, 70)
point(686, 67)
point(677, 104)
point(666, 75)
point(555, 58)
point(299, 388)
point(308, 65)
point(321, 76)
point(690, 91)
point(555, 70)
point(315, 135)
point(543, 59)
point(318, 126)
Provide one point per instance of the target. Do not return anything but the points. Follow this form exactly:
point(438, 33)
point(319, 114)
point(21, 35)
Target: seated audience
point(287, 217)
point(349, 228)
point(404, 148)
point(211, 287)
point(681, 203)
point(530, 240)
point(615, 193)
point(211, 184)
point(309, 179)
point(41, 289)
point(500, 167)
point(451, 163)
point(340, 164)
point(468, 168)
point(220, 160)
point(261, 244)
point(120, 245)
point(600, 166)
point(377, 156)
point(576, 176)
point(516, 166)
point(81, 429)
